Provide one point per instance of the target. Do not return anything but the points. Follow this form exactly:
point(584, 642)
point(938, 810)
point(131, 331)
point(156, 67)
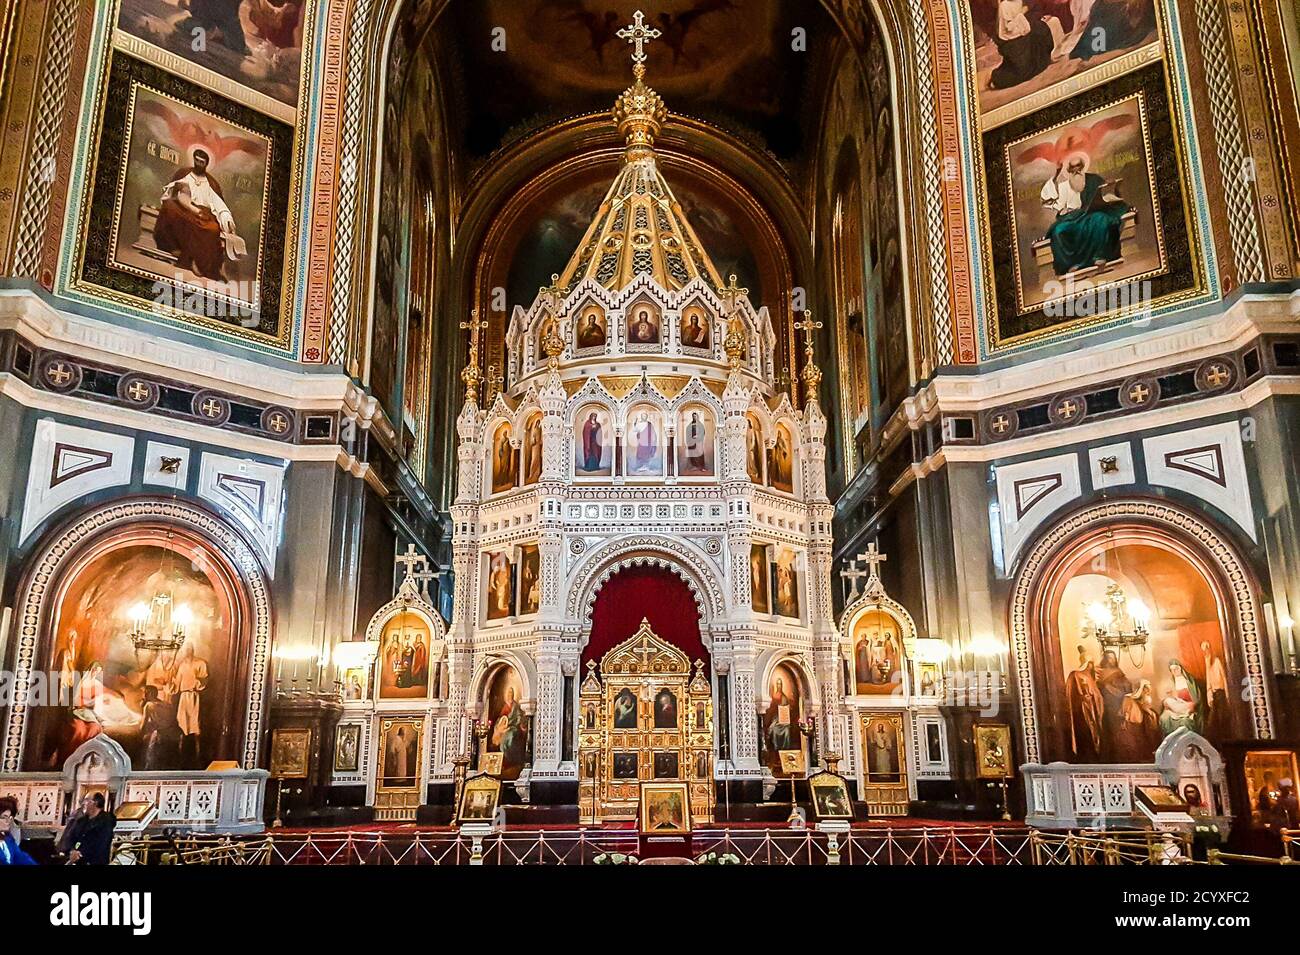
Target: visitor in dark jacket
point(89, 836)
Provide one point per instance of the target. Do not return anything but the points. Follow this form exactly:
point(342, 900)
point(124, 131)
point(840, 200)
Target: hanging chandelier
point(159, 625)
point(1118, 623)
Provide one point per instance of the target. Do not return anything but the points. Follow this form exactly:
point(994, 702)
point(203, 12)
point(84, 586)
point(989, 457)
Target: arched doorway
point(1140, 620)
point(150, 620)
point(645, 707)
point(645, 592)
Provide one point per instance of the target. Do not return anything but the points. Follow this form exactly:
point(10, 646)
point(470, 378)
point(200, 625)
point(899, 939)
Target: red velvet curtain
point(654, 593)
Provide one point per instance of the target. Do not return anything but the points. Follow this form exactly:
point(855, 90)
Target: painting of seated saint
point(1090, 222)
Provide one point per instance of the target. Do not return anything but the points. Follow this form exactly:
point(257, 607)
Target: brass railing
point(1138, 847)
point(1218, 857)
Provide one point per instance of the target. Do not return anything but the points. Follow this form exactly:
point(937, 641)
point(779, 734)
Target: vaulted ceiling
point(732, 63)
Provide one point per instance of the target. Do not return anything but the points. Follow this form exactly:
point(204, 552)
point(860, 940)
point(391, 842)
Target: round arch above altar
point(216, 551)
point(1075, 545)
point(696, 570)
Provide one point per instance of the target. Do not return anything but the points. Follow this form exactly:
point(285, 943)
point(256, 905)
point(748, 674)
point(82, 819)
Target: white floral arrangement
point(615, 858)
point(718, 858)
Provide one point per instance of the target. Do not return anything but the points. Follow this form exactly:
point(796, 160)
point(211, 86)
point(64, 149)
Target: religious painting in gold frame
point(1118, 140)
point(347, 748)
point(791, 762)
point(1028, 58)
point(830, 796)
point(490, 763)
point(230, 281)
point(993, 756)
point(1264, 771)
point(478, 800)
point(290, 753)
point(251, 52)
point(884, 781)
point(400, 747)
point(665, 809)
point(399, 762)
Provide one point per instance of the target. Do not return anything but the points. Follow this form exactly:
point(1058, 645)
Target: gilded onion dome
point(640, 228)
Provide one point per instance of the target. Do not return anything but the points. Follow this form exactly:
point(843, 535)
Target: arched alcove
point(645, 592)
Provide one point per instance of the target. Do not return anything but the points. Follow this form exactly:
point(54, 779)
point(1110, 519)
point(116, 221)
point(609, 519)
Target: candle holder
point(460, 766)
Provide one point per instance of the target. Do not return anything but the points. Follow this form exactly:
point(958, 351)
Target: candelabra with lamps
point(1119, 623)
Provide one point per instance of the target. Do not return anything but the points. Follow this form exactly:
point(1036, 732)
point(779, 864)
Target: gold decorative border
point(187, 69)
point(1259, 120)
point(121, 190)
point(1140, 96)
point(1064, 89)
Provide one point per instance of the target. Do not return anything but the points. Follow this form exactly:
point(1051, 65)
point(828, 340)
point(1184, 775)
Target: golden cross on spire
point(474, 326)
point(554, 289)
point(732, 292)
point(470, 374)
point(638, 34)
point(807, 326)
point(811, 374)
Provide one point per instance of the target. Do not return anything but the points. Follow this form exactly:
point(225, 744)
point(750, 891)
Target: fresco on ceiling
point(722, 60)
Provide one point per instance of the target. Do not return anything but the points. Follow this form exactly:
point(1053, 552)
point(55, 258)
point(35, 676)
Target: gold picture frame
point(347, 748)
point(290, 753)
point(478, 800)
point(830, 796)
point(665, 809)
point(792, 763)
point(993, 756)
point(490, 763)
point(116, 257)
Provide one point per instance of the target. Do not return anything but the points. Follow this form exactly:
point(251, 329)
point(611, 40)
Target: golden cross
point(807, 326)
point(638, 34)
point(474, 326)
point(554, 289)
point(733, 291)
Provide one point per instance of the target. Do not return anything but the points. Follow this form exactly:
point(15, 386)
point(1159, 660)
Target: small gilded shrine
point(646, 715)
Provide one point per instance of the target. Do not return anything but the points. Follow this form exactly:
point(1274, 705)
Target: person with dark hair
point(10, 853)
point(194, 222)
point(91, 833)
